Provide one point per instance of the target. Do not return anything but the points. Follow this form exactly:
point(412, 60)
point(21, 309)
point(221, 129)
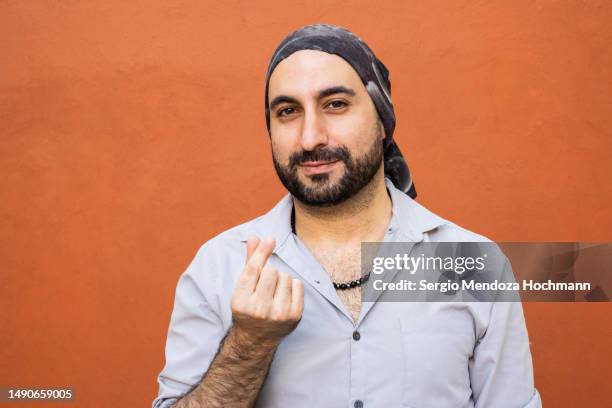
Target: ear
point(381, 130)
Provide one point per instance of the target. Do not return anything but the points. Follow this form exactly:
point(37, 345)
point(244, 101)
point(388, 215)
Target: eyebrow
point(322, 94)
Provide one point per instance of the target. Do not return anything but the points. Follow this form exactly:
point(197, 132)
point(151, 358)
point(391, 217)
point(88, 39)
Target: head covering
point(373, 74)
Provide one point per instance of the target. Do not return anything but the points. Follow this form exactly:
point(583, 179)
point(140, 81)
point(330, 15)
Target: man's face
point(327, 139)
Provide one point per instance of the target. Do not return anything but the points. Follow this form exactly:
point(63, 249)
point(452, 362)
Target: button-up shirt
point(396, 354)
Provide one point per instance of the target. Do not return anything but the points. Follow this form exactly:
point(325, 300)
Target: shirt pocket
point(436, 349)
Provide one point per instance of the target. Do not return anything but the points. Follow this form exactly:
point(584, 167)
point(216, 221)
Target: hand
point(266, 304)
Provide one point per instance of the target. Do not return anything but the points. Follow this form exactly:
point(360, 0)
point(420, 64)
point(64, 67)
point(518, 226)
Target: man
point(270, 312)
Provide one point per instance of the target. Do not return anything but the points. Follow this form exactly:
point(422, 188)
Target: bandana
point(373, 74)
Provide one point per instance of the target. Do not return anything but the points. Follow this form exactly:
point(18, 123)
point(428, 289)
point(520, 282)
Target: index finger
point(255, 262)
point(252, 243)
point(261, 254)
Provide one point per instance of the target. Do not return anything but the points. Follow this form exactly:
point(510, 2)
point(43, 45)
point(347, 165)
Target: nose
point(313, 131)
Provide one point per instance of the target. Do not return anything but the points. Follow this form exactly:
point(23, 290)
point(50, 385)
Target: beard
point(358, 172)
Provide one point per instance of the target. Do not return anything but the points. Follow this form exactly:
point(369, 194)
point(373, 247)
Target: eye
point(285, 111)
point(337, 105)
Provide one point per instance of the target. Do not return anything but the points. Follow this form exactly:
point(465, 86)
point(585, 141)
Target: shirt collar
point(275, 223)
point(411, 218)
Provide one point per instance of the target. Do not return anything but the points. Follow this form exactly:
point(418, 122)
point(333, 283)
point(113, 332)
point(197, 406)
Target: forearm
point(235, 376)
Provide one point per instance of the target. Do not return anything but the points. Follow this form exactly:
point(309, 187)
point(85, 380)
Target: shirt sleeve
point(501, 370)
point(194, 334)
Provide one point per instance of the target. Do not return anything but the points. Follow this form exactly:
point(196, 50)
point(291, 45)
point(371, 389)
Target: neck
point(363, 217)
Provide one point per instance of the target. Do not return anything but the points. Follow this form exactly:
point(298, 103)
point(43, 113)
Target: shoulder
point(274, 223)
point(446, 230)
point(419, 222)
point(452, 232)
point(229, 240)
point(470, 244)
point(216, 265)
point(434, 227)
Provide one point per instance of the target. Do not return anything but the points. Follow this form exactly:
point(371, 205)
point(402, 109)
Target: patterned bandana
point(374, 75)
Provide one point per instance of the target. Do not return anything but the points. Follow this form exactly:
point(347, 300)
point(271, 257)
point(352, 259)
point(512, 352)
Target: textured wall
point(132, 132)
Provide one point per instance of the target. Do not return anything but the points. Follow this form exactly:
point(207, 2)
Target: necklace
point(337, 285)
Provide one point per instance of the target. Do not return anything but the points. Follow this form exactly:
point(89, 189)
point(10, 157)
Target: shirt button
point(358, 404)
point(356, 337)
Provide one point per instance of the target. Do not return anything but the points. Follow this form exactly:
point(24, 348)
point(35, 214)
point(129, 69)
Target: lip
point(318, 166)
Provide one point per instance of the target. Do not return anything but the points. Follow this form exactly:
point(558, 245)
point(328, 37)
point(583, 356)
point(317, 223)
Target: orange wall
point(132, 132)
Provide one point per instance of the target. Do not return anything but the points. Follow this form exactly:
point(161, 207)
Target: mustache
point(341, 153)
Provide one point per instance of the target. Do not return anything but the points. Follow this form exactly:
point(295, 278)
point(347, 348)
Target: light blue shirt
point(407, 354)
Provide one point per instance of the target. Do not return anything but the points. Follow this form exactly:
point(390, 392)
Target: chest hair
point(343, 264)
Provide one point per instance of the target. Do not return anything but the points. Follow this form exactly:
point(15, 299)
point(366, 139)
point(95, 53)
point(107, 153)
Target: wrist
point(244, 343)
